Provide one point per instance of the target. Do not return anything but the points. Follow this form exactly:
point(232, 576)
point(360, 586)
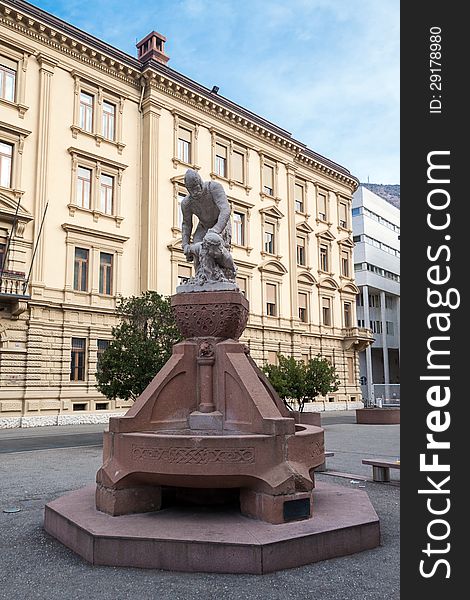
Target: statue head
point(213, 243)
point(213, 239)
point(193, 183)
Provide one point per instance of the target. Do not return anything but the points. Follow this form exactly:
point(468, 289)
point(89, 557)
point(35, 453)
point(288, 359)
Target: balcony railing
point(357, 338)
point(13, 285)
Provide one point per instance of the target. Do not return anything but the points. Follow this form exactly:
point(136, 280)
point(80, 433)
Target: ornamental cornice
point(85, 231)
point(313, 163)
point(57, 38)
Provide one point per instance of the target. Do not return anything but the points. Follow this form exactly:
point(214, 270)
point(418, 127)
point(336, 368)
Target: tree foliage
point(141, 345)
point(295, 380)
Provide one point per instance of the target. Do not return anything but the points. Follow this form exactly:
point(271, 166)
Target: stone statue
point(210, 244)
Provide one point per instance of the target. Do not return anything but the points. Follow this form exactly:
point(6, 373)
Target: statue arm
point(220, 200)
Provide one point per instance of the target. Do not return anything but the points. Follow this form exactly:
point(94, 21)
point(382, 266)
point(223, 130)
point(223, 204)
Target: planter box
point(306, 418)
point(378, 416)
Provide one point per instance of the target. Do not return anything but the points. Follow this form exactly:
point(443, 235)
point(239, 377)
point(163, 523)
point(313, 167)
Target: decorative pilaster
point(149, 206)
point(294, 315)
point(46, 71)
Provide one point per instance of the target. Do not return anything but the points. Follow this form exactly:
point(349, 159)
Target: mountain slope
point(389, 192)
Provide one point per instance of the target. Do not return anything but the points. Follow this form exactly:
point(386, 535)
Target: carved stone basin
point(210, 314)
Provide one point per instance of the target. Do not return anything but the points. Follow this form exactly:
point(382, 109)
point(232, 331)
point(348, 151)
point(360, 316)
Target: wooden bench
point(322, 467)
point(381, 468)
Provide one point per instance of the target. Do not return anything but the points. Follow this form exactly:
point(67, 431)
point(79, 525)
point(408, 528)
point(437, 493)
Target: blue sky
point(325, 70)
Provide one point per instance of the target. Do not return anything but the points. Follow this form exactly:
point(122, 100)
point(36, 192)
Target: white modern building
point(376, 234)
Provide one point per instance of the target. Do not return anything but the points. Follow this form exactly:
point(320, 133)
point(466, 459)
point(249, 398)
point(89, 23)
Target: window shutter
point(184, 134)
point(270, 293)
point(237, 167)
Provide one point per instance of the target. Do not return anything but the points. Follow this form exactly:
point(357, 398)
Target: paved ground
point(35, 566)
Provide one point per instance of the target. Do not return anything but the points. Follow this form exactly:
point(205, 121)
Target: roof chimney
point(152, 47)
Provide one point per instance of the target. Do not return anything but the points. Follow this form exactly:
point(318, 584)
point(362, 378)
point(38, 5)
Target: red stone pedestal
point(210, 419)
point(210, 429)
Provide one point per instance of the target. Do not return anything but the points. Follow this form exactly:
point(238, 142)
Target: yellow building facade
point(94, 145)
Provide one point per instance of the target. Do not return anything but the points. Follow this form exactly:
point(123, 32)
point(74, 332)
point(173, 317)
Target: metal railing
point(385, 395)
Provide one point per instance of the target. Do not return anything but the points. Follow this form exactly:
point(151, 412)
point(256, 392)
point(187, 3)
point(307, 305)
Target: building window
point(381, 272)
point(272, 357)
point(301, 254)
point(106, 193)
point(97, 112)
point(380, 219)
point(350, 361)
point(359, 300)
point(322, 213)
point(388, 301)
point(181, 196)
point(268, 180)
point(6, 153)
point(376, 326)
point(109, 120)
point(389, 328)
point(221, 160)
point(324, 258)
point(343, 215)
point(96, 185)
point(184, 145)
point(7, 79)
point(269, 235)
point(77, 362)
point(242, 284)
point(86, 112)
point(102, 345)
point(2, 255)
point(303, 313)
point(184, 273)
point(374, 300)
point(326, 311)
point(106, 274)
point(347, 312)
point(230, 161)
point(271, 304)
point(356, 211)
point(83, 187)
point(238, 167)
point(239, 228)
point(299, 198)
point(361, 323)
point(345, 263)
point(80, 272)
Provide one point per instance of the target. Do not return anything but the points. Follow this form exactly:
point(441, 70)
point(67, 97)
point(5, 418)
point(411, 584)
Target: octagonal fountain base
point(199, 539)
point(208, 471)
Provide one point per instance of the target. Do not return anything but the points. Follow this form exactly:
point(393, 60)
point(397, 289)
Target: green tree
point(141, 345)
point(300, 382)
